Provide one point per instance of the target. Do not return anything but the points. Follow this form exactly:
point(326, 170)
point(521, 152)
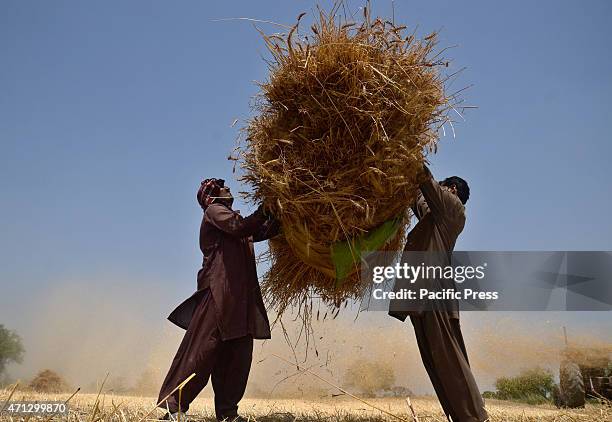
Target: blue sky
point(112, 112)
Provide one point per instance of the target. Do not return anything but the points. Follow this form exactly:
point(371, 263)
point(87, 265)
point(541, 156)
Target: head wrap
point(209, 189)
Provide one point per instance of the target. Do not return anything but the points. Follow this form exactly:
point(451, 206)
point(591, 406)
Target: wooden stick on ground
point(339, 388)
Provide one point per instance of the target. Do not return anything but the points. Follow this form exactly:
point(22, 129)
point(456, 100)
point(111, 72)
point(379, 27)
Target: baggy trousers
point(204, 353)
point(445, 358)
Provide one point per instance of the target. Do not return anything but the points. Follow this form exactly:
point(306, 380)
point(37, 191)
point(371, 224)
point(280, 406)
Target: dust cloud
point(85, 330)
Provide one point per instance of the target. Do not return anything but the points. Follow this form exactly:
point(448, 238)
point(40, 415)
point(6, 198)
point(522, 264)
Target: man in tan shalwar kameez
point(441, 214)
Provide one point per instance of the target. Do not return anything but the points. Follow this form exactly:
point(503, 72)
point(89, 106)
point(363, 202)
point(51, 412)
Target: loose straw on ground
point(414, 416)
point(179, 387)
point(97, 402)
point(65, 402)
point(9, 397)
point(339, 388)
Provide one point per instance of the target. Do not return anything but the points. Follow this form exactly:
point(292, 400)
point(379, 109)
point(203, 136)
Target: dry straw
point(336, 147)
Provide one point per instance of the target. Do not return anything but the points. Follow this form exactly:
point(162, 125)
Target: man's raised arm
point(233, 223)
point(433, 194)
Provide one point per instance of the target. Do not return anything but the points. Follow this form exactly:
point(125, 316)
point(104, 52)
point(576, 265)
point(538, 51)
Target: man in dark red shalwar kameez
point(226, 312)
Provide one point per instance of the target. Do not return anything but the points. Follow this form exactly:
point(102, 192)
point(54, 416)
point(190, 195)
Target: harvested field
point(129, 408)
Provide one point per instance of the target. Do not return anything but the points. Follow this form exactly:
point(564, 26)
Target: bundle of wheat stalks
point(336, 146)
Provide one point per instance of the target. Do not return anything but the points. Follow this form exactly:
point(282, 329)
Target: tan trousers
point(445, 358)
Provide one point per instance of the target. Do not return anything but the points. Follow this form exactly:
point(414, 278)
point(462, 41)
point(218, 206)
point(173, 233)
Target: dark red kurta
point(229, 271)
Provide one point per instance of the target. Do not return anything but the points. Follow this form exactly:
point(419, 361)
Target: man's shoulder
point(458, 213)
point(451, 200)
point(216, 209)
point(454, 210)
